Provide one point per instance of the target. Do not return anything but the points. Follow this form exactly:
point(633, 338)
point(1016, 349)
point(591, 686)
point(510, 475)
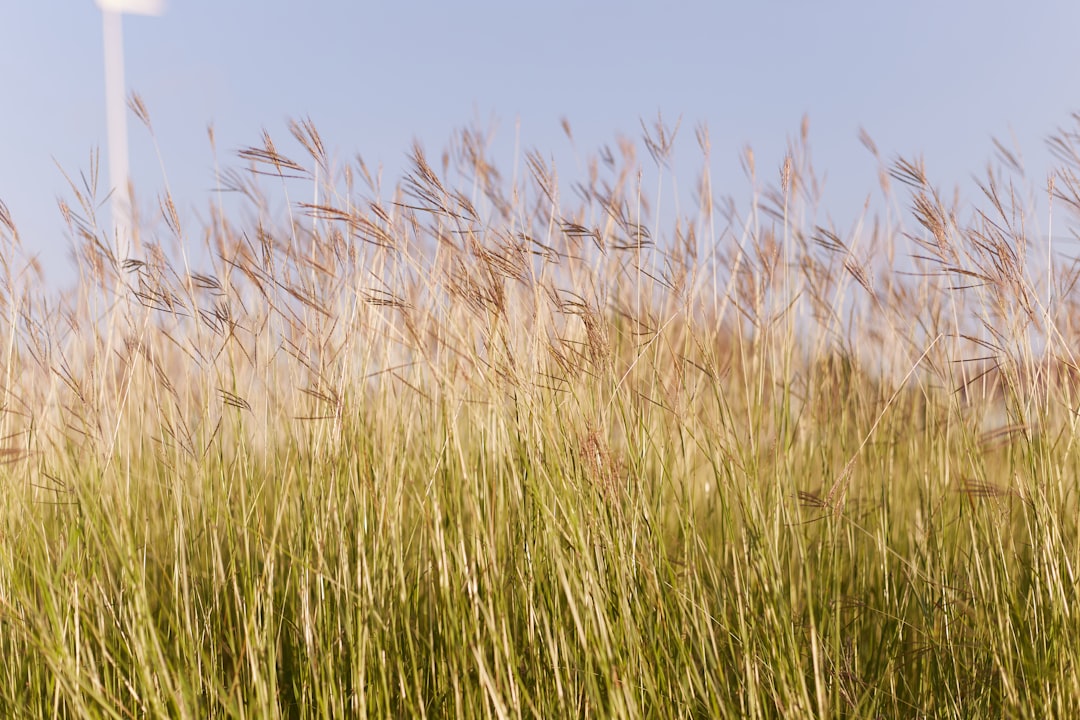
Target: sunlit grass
point(488, 446)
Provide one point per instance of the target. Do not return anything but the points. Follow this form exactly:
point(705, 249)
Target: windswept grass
point(476, 445)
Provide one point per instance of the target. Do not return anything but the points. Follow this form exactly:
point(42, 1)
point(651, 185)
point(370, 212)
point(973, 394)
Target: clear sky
point(934, 78)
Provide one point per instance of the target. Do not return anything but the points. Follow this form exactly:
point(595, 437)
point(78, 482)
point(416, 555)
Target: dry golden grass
point(477, 445)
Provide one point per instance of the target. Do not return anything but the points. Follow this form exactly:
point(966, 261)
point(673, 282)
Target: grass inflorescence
point(484, 446)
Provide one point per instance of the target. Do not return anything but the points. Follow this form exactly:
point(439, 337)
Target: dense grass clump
point(479, 446)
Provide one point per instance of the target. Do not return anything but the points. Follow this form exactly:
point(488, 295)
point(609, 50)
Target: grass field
point(481, 445)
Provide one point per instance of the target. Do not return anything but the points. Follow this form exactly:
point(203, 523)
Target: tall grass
point(476, 445)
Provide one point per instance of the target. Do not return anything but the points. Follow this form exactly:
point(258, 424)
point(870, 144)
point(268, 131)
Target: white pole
point(116, 114)
point(116, 118)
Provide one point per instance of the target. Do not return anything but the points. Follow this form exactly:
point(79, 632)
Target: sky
point(932, 79)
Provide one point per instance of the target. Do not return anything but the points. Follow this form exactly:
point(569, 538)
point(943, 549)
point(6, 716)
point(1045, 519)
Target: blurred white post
point(116, 113)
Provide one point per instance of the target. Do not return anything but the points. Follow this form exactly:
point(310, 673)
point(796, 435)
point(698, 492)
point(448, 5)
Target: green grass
point(477, 446)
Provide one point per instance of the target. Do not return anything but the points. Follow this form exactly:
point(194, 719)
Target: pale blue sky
point(936, 78)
